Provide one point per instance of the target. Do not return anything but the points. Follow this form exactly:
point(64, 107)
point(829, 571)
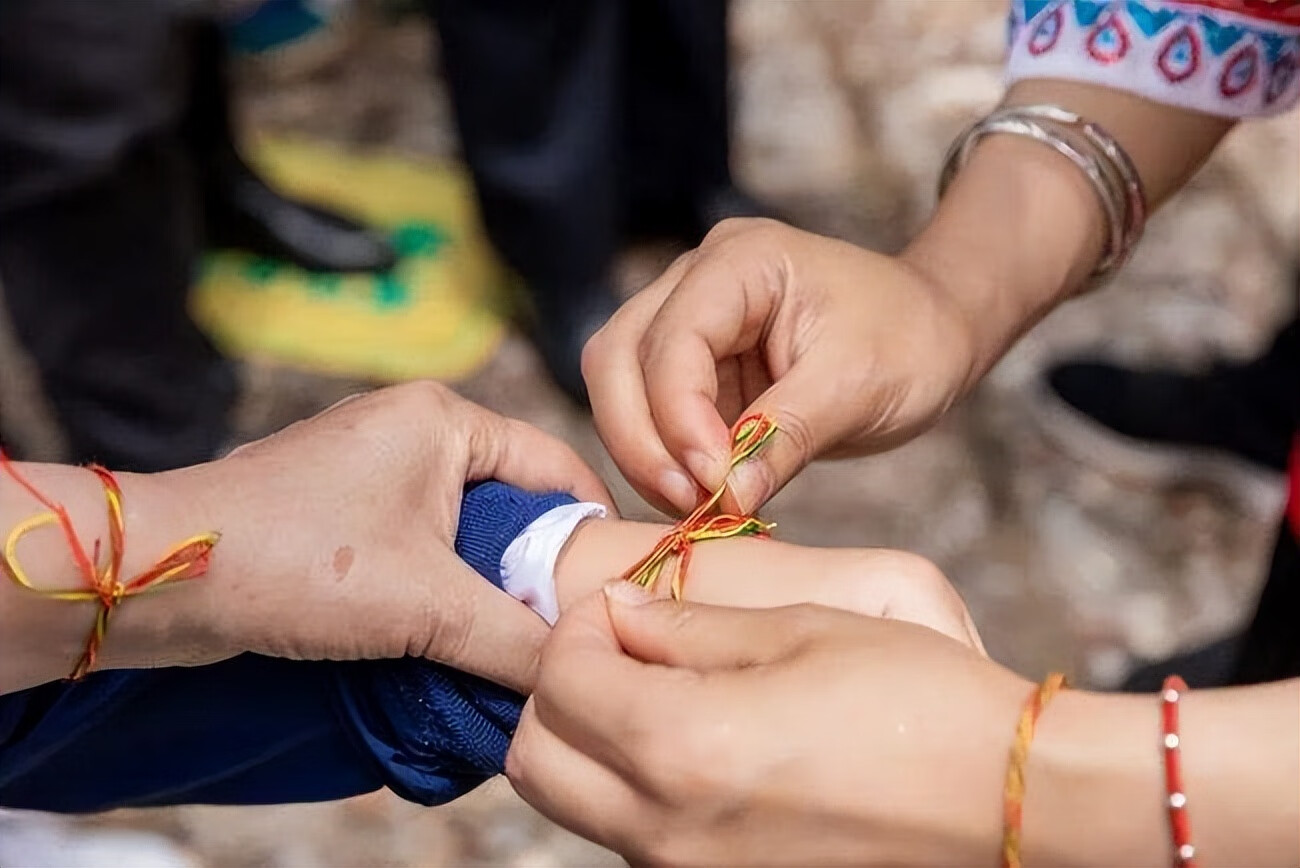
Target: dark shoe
point(1210, 665)
point(1223, 409)
point(243, 212)
point(562, 330)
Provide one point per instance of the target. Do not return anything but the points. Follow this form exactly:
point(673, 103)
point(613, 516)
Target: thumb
point(807, 404)
point(495, 636)
point(704, 638)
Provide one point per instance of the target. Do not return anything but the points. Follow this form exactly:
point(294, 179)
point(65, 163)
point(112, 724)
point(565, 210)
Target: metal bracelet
point(1090, 148)
point(1117, 157)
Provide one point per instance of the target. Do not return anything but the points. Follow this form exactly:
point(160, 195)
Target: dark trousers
point(580, 117)
point(98, 227)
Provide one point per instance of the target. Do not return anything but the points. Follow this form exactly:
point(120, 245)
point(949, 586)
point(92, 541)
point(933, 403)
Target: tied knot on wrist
point(748, 437)
point(101, 577)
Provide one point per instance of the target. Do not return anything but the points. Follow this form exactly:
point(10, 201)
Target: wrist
point(1094, 788)
point(1017, 233)
point(173, 624)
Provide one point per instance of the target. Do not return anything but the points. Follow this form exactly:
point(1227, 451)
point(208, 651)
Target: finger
point(596, 697)
point(807, 403)
point(704, 638)
point(619, 408)
point(570, 788)
point(478, 628)
point(714, 314)
point(518, 454)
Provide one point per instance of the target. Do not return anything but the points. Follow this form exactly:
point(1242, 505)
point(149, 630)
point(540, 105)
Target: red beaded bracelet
point(1180, 827)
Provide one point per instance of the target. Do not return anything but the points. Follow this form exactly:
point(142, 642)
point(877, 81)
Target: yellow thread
point(750, 435)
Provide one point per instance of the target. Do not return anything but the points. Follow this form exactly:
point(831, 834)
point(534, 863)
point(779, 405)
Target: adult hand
point(337, 535)
point(686, 734)
point(849, 351)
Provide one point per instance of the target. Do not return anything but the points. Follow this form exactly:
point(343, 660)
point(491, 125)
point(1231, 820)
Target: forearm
point(1020, 228)
point(41, 639)
point(1095, 790)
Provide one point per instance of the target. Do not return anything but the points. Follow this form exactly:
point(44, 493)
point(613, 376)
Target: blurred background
point(1075, 549)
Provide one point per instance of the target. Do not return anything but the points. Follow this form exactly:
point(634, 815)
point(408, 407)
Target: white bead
point(1177, 800)
point(1171, 695)
point(1186, 852)
point(1171, 740)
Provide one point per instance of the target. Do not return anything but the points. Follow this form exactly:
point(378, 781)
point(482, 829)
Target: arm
point(336, 544)
point(685, 734)
point(1241, 762)
point(1020, 228)
point(764, 573)
point(852, 352)
point(39, 638)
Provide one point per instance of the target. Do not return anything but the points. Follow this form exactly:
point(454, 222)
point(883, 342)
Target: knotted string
point(749, 436)
point(188, 560)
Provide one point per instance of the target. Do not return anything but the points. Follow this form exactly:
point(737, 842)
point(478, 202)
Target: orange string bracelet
point(1013, 798)
point(188, 560)
point(749, 436)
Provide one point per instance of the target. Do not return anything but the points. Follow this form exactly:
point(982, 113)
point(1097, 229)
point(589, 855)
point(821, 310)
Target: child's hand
point(763, 574)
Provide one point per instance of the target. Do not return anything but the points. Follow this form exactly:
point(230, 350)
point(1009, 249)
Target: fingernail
point(625, 593)
point(749, 486)
point(678, 488)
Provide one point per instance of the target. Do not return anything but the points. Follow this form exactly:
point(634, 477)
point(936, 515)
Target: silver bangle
point(1090, 148)
point(1117, 157)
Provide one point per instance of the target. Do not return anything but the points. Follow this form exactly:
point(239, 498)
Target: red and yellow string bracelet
point(1013, 799)
point(749, 436)
point(102, 581)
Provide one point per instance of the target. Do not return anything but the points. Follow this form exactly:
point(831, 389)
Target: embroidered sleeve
point(1231, 58)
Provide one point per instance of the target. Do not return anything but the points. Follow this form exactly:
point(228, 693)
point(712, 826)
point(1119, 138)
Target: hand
point(337, 535)
point(687, 734)
point(849, 351)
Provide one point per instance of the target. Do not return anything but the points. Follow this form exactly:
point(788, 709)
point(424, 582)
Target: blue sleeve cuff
point(492, 516)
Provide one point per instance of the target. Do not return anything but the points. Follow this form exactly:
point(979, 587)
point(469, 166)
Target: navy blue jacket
point(258, 730)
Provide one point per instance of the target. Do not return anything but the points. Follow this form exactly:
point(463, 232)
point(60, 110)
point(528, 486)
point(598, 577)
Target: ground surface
point(1073, 552)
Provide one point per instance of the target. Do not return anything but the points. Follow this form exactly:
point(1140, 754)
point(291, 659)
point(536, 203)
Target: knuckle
point(731, 226)
point(799, 437)
point(423, 400)
point(659, 758)
point(428, 392)
point(450, 617)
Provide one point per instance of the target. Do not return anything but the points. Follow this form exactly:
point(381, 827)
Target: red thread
point(188, 560)
point(749, 436)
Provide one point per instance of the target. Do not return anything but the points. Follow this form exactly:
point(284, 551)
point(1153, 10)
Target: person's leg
point(536, 92)
point(97, 229)
point(676, 127)
point(240, 210)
